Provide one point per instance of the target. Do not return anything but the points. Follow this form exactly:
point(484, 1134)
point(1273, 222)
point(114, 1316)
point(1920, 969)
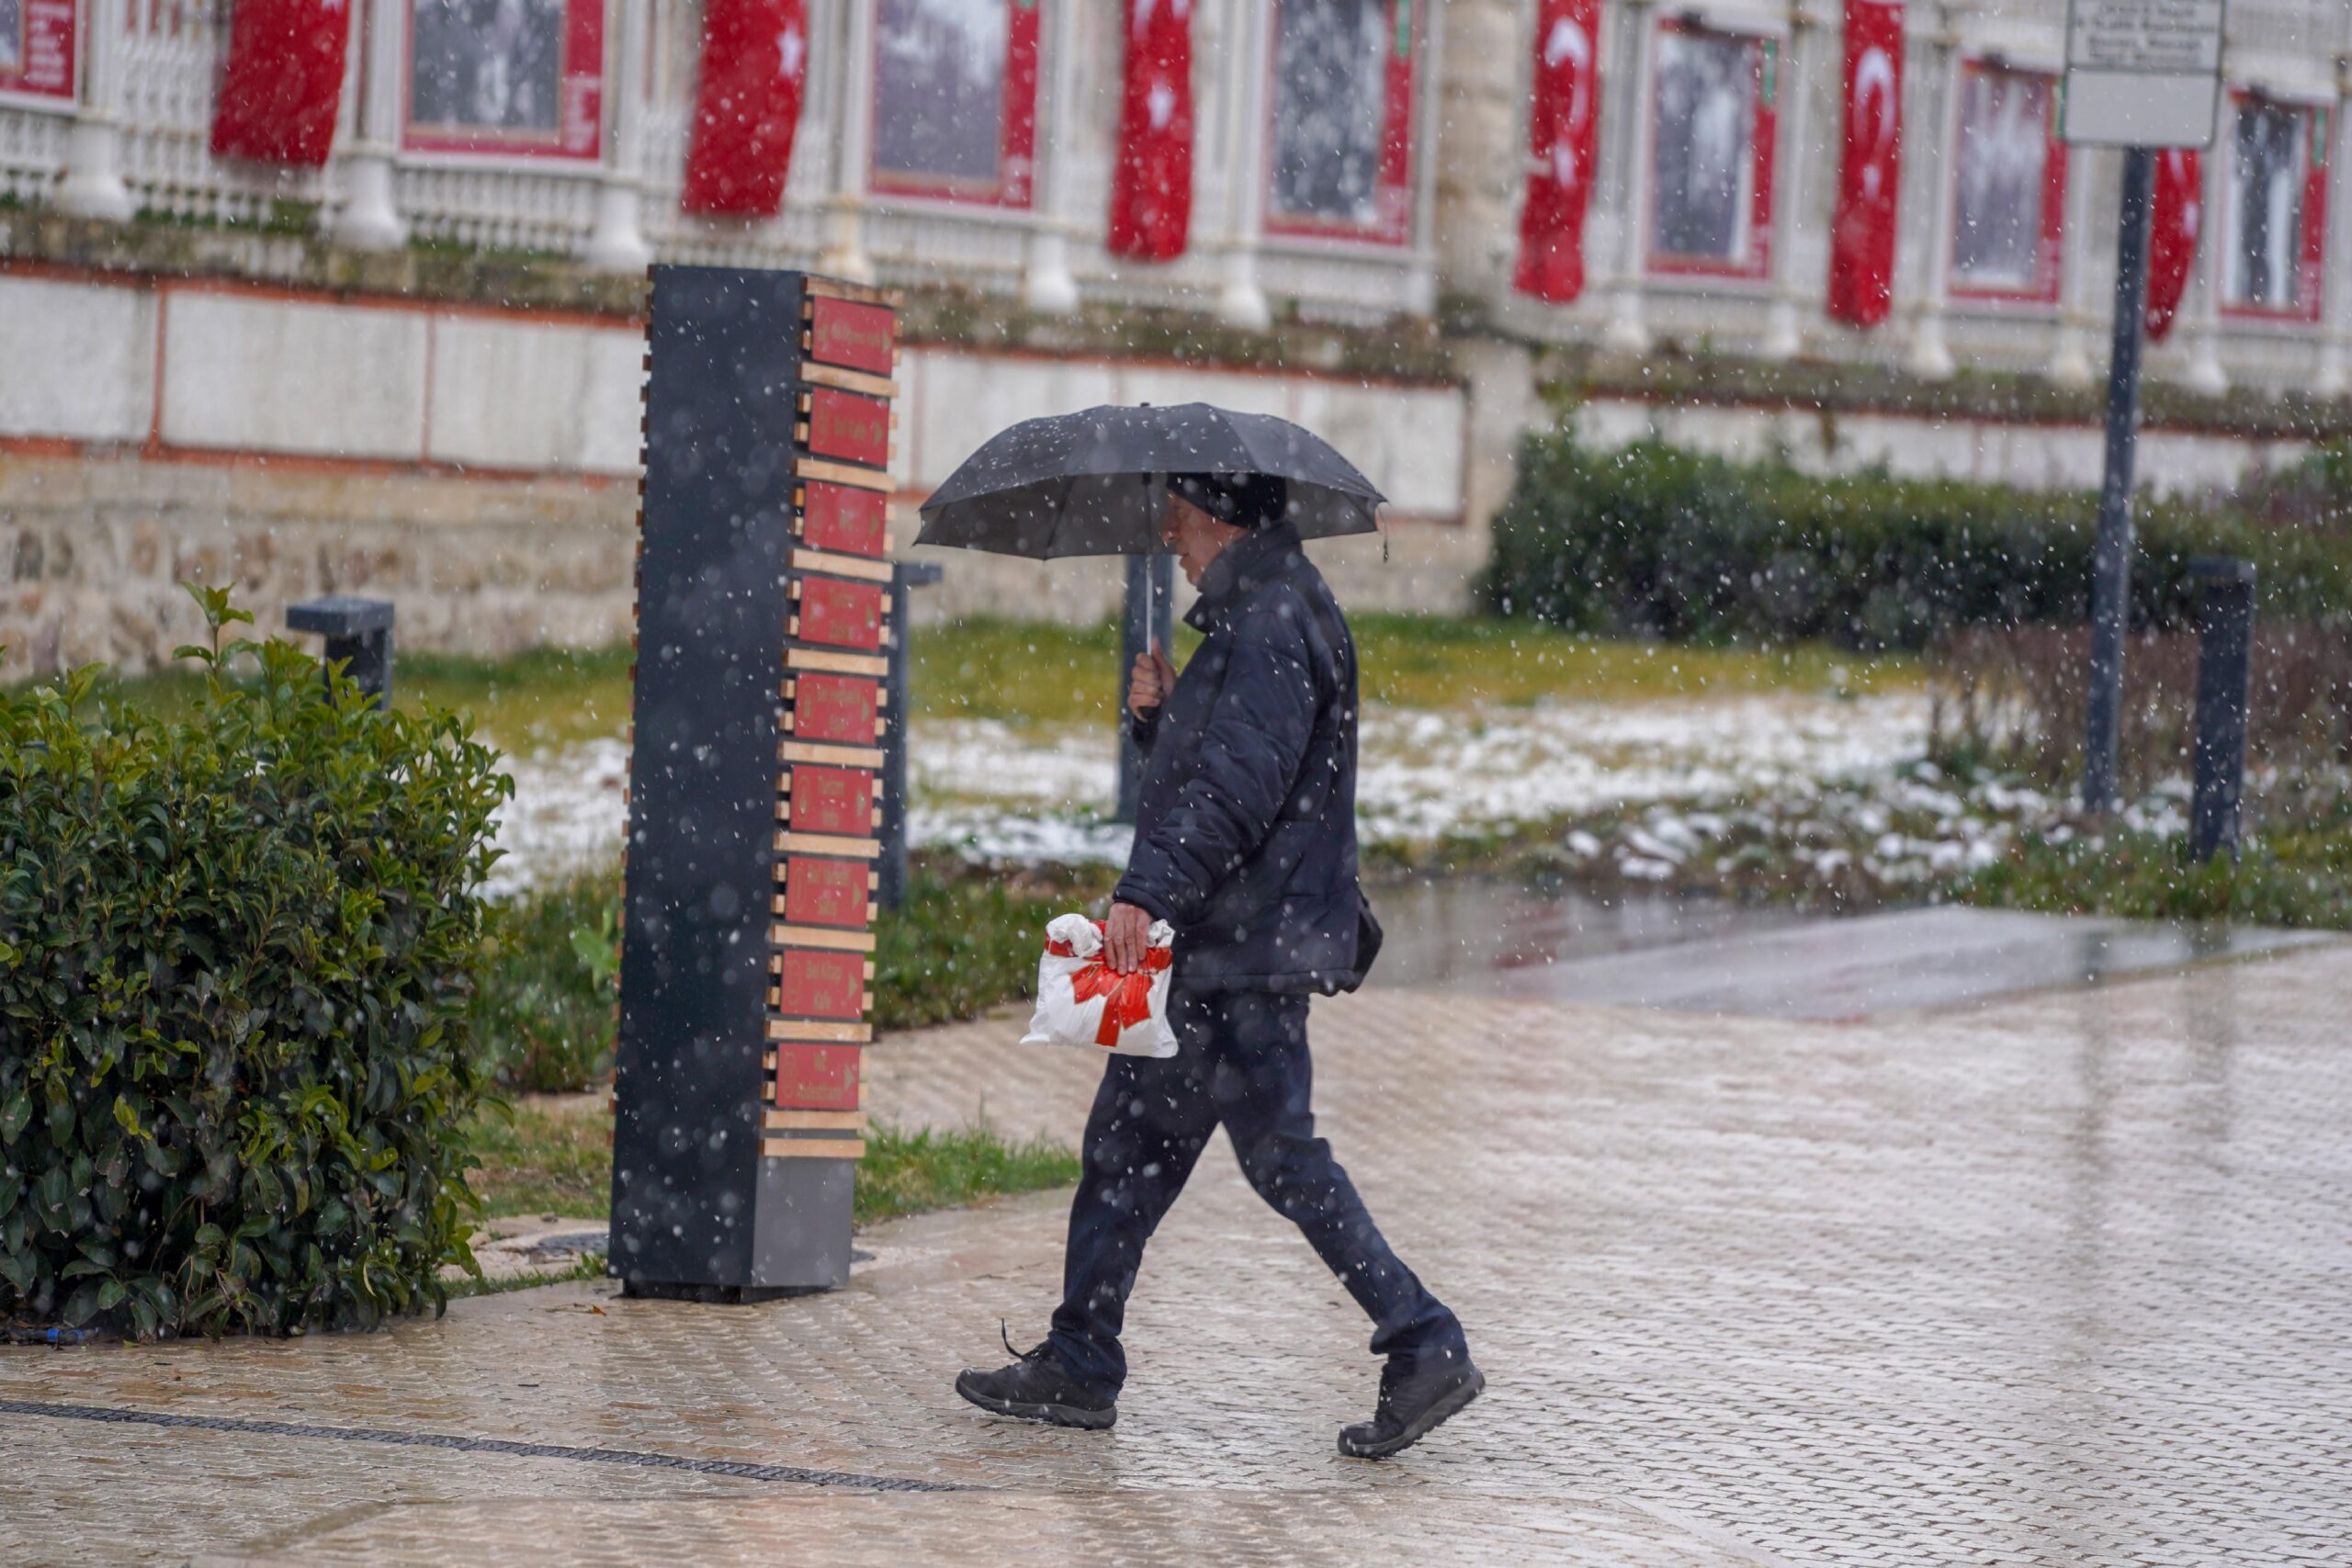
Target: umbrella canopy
point(1089, 484)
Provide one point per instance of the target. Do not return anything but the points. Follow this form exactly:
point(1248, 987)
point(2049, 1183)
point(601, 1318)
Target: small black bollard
point(2225, 687)
point(1149, 617)
point(358, 634)
point(891, 874)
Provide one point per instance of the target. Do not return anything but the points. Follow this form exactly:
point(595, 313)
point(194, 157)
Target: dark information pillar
point(2224, 688)
point(2111, 557)
point(761, 632)
point(1150, 618)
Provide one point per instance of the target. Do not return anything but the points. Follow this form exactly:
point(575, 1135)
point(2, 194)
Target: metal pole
point(1149, 619)
point(891, 873)
point(360, 636)
point(2111, 558)
point(2225, 686)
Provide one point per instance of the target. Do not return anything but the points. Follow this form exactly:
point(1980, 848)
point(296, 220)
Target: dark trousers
point(1244, 1062)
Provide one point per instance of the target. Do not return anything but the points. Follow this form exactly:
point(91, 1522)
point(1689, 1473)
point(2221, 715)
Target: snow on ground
point(1008, 793)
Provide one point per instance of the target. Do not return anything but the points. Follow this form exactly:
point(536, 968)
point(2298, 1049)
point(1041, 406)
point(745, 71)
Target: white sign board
point(2142, 72)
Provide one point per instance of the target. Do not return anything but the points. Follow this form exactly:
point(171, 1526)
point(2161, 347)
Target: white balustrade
point(138, 142)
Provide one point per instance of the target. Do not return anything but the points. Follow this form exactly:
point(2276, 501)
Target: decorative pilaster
point(1047, 283)
point(1633, 43)
point(844, 254)
point(617, 242)
point(2201, 314)
point(2334, 376)
point(1930, 175)
point(92, 186)
point(2070, 355)
point(371, 219)
point(1784, 334)
point(1241, 302)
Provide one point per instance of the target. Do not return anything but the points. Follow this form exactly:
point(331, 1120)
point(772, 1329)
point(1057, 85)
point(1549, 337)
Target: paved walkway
point(2061, 1281)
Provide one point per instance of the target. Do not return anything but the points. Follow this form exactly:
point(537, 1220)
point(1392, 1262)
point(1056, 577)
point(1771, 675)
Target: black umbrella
point(1088, 484)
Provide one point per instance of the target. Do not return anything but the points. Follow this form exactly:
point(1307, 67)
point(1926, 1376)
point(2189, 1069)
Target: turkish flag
point(2172, 228)
point(1151, 186)
point(1861, 233)
point(755, 62)
point(1562, 128)
point(283, 81)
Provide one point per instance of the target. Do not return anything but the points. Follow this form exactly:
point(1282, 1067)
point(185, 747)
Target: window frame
point(2311, 239)
point(1396, 203)
point(1014, 189)
point(1763, 142)
point(580, 90)
point(2050, 239)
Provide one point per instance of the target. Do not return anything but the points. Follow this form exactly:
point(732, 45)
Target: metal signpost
point(762, 608)
point(1148, 621)
point(2140, 74)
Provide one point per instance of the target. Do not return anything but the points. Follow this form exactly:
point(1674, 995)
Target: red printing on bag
point(1126, 998)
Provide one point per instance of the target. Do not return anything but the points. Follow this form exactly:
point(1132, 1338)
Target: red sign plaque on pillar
point(836, 517)
point(853, 334)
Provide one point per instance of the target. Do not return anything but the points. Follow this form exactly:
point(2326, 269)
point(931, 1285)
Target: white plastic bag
point(1081, 1002)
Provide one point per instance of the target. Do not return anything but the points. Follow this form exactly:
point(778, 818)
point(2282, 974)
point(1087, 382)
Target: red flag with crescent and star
point(1151, 189)
point(754, 64)
point(283, 81)
point(2172, 228)
point(1862, 234)
point(1562, 129)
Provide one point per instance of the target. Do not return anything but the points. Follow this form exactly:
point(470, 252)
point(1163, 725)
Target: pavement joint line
point(739, 1469)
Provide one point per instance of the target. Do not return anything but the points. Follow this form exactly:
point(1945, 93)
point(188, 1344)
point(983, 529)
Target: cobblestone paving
point(2060, 1280)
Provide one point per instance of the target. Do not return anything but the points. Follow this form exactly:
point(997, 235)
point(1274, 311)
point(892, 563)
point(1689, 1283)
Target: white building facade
point(177, 326)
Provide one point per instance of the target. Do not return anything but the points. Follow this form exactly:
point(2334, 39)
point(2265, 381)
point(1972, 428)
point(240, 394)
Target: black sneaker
point(1412, 1407)
point(1036, 1388)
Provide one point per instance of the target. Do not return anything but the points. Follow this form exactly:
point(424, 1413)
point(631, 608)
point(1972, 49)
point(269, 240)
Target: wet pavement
point(1636, 948)
point(2057, 1278)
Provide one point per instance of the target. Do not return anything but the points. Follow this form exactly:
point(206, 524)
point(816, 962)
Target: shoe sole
point(1045, 1415)
point(1422, 1426)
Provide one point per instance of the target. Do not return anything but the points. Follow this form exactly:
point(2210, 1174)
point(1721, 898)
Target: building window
point(2274, 223)
point(955, 99)
point(511, 78)
point(1339, 158)
point(1710, 170)
point(2009, 185)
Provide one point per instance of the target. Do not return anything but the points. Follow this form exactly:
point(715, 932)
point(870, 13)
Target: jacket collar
point(1256, 556)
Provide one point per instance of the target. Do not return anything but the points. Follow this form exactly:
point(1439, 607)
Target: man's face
point(1195, 537)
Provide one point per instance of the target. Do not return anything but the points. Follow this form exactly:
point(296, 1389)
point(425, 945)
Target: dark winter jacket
point(1246, 836)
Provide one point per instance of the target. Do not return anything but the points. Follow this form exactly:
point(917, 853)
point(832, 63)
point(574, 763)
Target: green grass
point(2296, 873)
point(963, 941)
point(1034, 672)
point(959, 946)
point(543, 697)
point(1043, 672)
point(543, 1156)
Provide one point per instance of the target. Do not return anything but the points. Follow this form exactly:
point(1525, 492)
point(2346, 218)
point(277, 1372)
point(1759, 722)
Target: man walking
point(1246, 844)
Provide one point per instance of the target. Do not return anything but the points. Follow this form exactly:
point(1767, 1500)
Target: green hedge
point(235, 957)
point(1653, 541)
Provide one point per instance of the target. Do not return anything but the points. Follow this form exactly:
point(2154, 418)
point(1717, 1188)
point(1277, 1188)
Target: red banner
point(1562, 129)
point(2173, 230)
point(36, 51)
point(754, 64)
point(284, 81)
point(1151, 188)
point(1862, 234)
